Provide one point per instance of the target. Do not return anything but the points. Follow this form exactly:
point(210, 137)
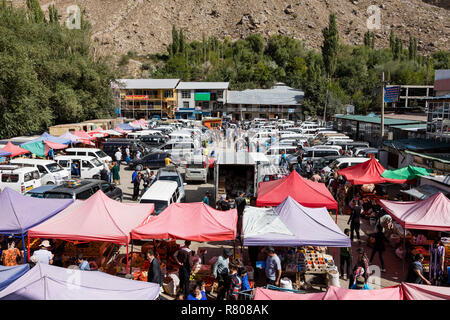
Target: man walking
point(154, 271)
point(115, 174)
point(136, 186)
point(240, 206)
point(220, 272)
point(273, 267)
point(118, 156)
point(355, 219)
point(184, 259)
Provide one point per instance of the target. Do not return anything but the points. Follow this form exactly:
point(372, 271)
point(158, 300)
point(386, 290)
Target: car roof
point(352, 159)
point(15, 169)
point(83, 149)
point(84, 184)
point(160, 190)
point(32, 161)
point(75, 157)
point(43, 188)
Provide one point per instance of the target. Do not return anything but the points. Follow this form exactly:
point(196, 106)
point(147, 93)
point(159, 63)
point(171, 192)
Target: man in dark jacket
point(154, 271)
point(240, 206)
point(355, 219)
point(136, 186)
point(184, 259)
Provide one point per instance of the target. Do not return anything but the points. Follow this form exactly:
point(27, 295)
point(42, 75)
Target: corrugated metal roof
point(424, 191)
point(416, 144)
point(148, 83)
point(447, 96)
point(411, 127)
point(377, 120)
point(442, 74)
point(278, 95)
point(183, 85)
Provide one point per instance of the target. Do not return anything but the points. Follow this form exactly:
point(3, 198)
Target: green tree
point(35, 12)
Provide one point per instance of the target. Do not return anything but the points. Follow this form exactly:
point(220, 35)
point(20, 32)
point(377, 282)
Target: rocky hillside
point(145, 25)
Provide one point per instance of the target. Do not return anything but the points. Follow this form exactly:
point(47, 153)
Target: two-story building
point(280, 102)
point(438, 107)
point(197, 99)
point(145, 98)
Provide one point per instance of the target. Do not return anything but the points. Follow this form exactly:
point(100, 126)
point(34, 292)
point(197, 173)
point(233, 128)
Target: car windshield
point(171, 178)
point(54, 167)
point(160, 205)
point(101, 154)
point(58, 196)
point(96, 162)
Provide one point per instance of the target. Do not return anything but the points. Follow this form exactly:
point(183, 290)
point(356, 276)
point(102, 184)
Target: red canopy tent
point(429, 214)
point(15, 150)
point(98, 218)
point(189, 221)
point(364, 173)
point(55, 145)
point(86, 139)
point(414, 291)
point(120, 130)
point(306, 192)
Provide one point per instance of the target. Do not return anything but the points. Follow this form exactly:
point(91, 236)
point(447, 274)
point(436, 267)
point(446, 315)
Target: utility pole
point(383, 87)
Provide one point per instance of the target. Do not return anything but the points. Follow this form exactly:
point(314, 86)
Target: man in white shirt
point(118, 156)
point(43, 254)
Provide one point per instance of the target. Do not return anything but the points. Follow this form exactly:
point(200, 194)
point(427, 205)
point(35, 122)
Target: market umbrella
point(15, 150)
point(120, 130)
point(414, 291)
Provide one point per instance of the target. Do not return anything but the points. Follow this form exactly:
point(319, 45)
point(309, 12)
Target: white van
point(89, 167)
point(161, 193)
point(180, 149)
point(89, 152)
point(50, 171)
point(343, 163)
point(20, 179)
point(313, 153)
point(274, 153)
point(324, 146)
point(197, 168)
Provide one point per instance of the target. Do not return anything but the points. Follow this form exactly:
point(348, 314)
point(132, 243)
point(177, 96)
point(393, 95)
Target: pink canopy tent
point(367, 172)
point(55, 145)
point(190, 221)
point(429, 214)
point(120, 130)
point(86, 139)
point(306, 192)
point(98, 218)
point(14, 150)
point(98, 133)
point(414, 291)
point(267, 294)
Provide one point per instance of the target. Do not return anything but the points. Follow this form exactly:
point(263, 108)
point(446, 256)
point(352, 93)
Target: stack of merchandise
point(312, 260)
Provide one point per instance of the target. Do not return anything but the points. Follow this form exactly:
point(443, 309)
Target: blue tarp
point(10, 274)
point(126, 126)
point(48, 137)
point(4, 153)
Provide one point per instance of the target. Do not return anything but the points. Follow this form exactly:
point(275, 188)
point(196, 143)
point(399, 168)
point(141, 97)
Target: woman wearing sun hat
point(44, 254)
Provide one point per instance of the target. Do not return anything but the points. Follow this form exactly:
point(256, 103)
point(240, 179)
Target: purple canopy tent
point(47, 282)
point(10, 274)
point(19, 213)
point(69, 136)
point(48, 137)
point(291, 224)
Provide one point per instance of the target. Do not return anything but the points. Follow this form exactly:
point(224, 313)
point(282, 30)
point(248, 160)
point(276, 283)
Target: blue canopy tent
point(48, 137)
point(19, 213)
point(10, 274)
point(4, 153)
point(126, 126)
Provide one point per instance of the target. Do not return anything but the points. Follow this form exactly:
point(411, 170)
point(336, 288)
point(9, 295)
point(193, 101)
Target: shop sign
point(136, 97)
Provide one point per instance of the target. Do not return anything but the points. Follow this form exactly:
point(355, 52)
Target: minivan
point(50, 171)
point(351, 145)
point(110, 147)
point(84, 189)
point(197, 168)
point(312, 153)
point(90, 152)
point(19, 179)
point(154, 141)
point(89, 167)
point(161, 193)
point(179, 149)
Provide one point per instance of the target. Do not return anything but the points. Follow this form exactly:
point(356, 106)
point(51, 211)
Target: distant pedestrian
point(235, 282)
point(220, 272)
point(127, 155)
point(361, 267)
point(82, 263)
point(345, 258)
point(145, 183)
point(11, 255)
point(437, 262)
point(316, 177)
point(154, 271)
point(273, 267)
point(206, 198)
point(138, 154)
point(184, 259)
point(355, 220)
point(51, 154)
point(118, 156)
point(152, 178)
point(44, 254)
point(136, 185)
point(240, 202)
point(379, 245)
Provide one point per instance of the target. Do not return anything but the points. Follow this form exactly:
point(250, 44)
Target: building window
point(185, 94)
point(168, 93)
point(153, 94)
point(219, 94)
point(185, 104)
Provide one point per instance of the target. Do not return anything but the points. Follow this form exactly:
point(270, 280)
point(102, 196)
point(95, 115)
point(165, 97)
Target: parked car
point(84, 189)
point(39, 191)
point(154, 140)
point(151, 160)
point(364, 152)
point(50, 171)
point(90, 152)
point(110, 147)
point(343, 163)
point(89, 167)
point(161, 194)
point(20, 179)
point(197, 168)
point(172, 174)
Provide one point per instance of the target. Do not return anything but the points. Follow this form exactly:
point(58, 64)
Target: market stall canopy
point(432, 213)
point(126, 126)
point(136, 124)
point(407, 173)
point(10, 274)
point(291, 224)
point(4, 153)
point(19, 213)
point(367, 172)
point(267, 294)
point(38, 148)
point(113, 132)
point(190, 221)
point(98, 133)
point(72, 137)
point(54, 145)
point(82, 134)
point(306, 192)
point(15, 150)
point(414, 291)
point(120, 130)
point(49, 137)
point(98, 218)
point(47, 282)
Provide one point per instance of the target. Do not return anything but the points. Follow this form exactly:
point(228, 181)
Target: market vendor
point(273, 267)
point(220, 272)
point(415, 271)
point(82, 263)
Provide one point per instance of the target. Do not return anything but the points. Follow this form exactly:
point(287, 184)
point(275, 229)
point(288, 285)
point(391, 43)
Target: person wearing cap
point(82, 263)
point(43, 254)
point(360, 284)
point(220, 272)
point(273, 267)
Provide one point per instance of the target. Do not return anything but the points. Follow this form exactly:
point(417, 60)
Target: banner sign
point(136, 97)
point(391, 94)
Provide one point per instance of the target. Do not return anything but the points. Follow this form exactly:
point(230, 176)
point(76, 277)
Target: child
point(235, 282)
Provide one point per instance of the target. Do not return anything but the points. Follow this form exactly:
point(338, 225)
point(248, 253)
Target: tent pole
point(131, 259)
point(28, 236)
point(404, 253)
point(127, 257)
point(24, 251)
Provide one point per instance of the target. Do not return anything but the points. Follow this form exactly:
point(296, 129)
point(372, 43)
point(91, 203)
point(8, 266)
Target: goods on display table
point(314, 261)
